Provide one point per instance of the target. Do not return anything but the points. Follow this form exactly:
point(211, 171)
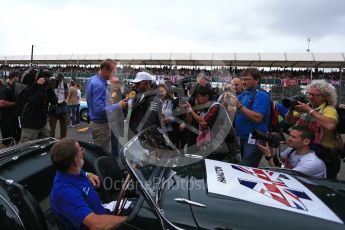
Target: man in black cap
point(8, 121)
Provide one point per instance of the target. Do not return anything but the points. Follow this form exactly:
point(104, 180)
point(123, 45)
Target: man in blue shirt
point(73, 199)
point(253, 113)
point(97, 96)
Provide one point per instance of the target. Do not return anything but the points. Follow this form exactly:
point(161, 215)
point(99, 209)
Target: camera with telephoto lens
point(32, 74)
point(273, 139)
point(291, 102)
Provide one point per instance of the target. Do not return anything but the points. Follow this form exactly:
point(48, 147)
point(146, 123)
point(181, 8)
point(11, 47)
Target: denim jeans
point(78, 114)
point(251, 154)
point(73, 113)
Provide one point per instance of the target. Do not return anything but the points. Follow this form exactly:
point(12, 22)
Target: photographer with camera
point(321, 117)
point(35, 111)
point(201, 81)
point(298, 156)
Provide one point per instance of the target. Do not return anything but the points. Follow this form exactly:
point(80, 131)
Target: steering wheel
point(121, 198)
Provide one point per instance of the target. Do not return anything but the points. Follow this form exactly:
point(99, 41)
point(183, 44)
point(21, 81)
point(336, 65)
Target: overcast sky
point(96, 26)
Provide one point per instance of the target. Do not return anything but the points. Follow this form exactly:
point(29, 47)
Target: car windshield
point(152, 158)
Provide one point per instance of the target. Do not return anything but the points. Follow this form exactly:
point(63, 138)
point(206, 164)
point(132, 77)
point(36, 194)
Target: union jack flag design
point(273, 187)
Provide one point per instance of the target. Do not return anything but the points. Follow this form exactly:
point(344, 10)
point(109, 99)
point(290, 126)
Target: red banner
point(290, 82)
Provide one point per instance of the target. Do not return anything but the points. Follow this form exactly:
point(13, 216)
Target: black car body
point(172, 190)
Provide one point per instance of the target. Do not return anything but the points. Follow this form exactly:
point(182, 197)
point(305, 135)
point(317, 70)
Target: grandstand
point(281, 60)
point(284, 73)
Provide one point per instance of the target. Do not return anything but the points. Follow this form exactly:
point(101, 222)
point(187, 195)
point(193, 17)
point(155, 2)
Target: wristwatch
point(268, 157)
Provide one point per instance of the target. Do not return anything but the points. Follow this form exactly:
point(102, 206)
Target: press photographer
point(35, 111)
point(291, 102)
point(298, 156)
point(321, 117)
point(273, 139)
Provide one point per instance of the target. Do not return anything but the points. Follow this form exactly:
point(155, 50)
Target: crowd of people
point(219, 125)
point(197, 116)
point(189, 112)
point(30, 109)
point(127, 70)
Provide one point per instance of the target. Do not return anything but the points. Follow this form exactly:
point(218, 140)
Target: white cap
point(143, 76)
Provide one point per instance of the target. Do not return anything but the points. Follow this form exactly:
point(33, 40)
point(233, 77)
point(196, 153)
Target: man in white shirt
point(298, 156)
point(60, 111)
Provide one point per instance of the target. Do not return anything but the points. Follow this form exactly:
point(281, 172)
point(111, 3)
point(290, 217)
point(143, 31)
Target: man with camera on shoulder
point(35, 111)
point(298, 156)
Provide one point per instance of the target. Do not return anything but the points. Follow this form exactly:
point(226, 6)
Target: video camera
point(291, 102)
point(273, 139)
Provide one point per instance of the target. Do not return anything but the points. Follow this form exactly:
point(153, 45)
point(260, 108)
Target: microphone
point(132, 94)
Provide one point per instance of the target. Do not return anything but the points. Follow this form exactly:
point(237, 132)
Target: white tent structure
point(283, 60)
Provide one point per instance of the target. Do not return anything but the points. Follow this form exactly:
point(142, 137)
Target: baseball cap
point(142, 76)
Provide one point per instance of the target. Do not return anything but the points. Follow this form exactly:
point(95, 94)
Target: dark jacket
point(7, 94)
point(35, 110)
point(145, 113)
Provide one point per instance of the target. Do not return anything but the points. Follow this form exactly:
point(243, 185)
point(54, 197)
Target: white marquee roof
point(299, 60)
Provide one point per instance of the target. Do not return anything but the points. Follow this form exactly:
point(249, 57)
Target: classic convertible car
point(171, 190)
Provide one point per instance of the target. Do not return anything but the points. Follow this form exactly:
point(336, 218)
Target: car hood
point(194, 193)
point(252, 198)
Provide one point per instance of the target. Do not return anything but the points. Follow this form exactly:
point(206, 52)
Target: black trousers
point(10, 128)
